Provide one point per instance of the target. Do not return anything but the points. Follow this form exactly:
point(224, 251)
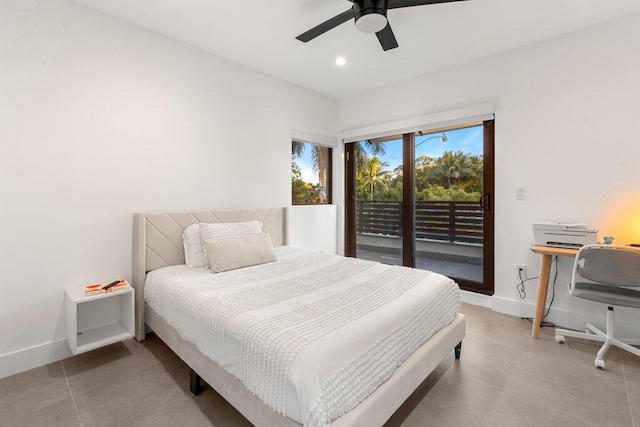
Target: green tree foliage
point(372, 174)
point(375, 148)
point(453, 176)
point(302, 193)
point(320, 159)
point(438, 193)
point(297, 148)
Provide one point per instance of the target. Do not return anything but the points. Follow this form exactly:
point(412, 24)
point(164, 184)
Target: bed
point(158, 256)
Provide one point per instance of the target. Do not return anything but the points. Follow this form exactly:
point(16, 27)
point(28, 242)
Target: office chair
point(611, 273)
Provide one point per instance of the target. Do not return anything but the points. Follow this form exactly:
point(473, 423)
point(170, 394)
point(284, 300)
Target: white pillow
point(193, 255)
point(226, 229)
point(230, 253)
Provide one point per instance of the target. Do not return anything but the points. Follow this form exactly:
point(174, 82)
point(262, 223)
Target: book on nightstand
point(103, 288)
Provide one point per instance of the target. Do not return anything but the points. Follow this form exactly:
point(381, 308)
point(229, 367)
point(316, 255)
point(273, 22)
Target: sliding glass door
point(379, 200)
point(424, 200)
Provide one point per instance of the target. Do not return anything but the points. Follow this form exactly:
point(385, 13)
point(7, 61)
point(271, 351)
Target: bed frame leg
point(195, 382)
point(458, 350)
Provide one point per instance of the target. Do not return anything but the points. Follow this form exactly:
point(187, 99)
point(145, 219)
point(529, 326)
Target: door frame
point(350, 200)
point(488, 219)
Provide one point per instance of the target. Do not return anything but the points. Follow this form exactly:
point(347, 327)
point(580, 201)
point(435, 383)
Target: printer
point(563, 235)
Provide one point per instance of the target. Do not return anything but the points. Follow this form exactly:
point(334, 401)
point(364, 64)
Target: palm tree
point(446, 167)
point(464, 166)
point(364, 146)
point(363, 162)
point(457, 167)
point(424, 172)
point(373, 171)
point(297, 148)
point(473, 181)
point(320, 158)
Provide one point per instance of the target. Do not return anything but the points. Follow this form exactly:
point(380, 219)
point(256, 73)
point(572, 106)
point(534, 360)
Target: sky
point(467, 140)
point(306, 165)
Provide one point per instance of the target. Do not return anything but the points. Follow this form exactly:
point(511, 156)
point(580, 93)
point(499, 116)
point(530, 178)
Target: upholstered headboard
point(157, 240)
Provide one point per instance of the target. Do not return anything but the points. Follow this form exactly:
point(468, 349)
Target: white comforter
point(312, 334)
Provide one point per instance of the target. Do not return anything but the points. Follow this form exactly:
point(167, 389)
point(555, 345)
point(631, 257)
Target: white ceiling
point(261, 34)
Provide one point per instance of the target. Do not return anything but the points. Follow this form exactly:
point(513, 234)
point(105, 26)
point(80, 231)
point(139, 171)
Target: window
point(310, 173)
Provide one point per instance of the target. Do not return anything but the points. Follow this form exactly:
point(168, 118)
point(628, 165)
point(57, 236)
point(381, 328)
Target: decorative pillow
point(231, 253)
point(193, 255)
point(226, 229)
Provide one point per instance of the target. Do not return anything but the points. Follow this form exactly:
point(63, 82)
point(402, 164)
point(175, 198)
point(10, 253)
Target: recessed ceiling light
point(340, 61)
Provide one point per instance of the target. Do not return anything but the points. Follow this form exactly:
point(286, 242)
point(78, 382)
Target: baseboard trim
point(566, 319)
point(474, 298)
point(33, 357)
point(511, 307)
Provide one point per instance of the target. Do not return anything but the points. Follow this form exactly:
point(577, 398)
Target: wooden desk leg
point(543, 286)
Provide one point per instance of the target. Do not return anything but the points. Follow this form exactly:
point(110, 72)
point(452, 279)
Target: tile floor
point(504, 378)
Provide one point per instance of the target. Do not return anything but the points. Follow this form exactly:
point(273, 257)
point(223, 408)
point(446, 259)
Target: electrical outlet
point(521, 271)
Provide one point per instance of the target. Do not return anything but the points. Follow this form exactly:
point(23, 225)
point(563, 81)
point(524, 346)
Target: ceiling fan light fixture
point(371, 23)
point(370, 15)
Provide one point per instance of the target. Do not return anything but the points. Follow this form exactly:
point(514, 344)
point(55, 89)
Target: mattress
point(312, 334)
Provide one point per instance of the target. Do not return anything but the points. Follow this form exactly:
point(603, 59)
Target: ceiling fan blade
point(326, 26)
point(386, 38)
point(396, 4)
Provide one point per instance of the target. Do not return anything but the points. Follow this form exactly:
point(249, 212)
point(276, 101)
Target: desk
point(547, 253)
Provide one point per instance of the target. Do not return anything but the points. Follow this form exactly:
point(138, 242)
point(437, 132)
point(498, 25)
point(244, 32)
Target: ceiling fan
point(370, 17)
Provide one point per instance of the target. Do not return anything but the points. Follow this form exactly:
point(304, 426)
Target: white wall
point(99, 119)
point(313, 228)
point(566, 128)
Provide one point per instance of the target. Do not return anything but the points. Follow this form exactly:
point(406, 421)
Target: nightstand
point(97, 320)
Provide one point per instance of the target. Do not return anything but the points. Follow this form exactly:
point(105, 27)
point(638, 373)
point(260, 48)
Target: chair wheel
point(560, 339)
point(600, 363)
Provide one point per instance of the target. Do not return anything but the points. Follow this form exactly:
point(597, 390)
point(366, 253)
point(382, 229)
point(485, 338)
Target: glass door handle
point(485, 202)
